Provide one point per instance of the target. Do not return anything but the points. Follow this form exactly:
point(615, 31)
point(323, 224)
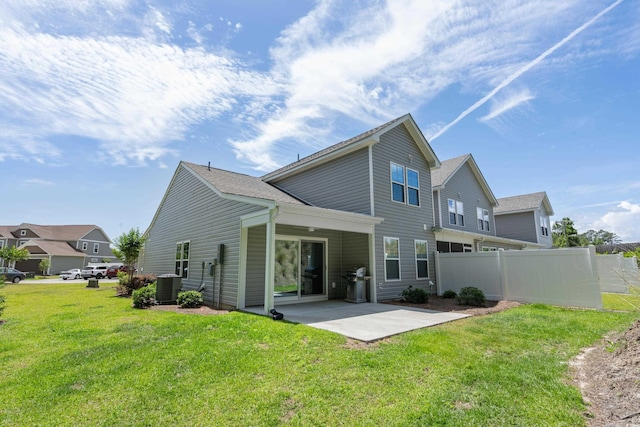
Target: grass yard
point(73, 356)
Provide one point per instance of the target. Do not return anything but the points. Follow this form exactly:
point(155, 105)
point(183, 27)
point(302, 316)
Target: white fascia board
point(255, 218)
point(309, 216)
point(484, 237)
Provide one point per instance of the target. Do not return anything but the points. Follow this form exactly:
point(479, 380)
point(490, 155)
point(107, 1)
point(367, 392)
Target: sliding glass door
point(300, 266)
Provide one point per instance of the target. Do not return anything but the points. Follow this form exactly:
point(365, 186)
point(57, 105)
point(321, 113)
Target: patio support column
point(270, 260)
point(373, 284)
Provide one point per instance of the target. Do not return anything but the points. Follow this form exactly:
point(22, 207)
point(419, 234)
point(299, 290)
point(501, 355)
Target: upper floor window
point(483, 219)
point(413, 187)
point(397, 183)
point(182, 259)
point(405, 187)
point(456, 212)
point(391, 258)
point(1, 243)
point(23, 232)
point(544, 225)
point(96, 248)
point(85, 245)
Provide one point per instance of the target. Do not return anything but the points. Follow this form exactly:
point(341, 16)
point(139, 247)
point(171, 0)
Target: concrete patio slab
point(365, 322)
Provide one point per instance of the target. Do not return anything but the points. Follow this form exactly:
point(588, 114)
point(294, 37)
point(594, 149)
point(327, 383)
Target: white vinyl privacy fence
point(617, 273)
point(565, 277)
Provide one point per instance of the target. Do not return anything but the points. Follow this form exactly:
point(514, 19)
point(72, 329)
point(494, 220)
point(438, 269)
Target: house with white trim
point(465, 210)
point(65, 246)
point(525, 217)
point(293, 235)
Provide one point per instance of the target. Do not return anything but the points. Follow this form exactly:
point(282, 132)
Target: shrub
point(125, 288)
point(415, 295)
point(190, 299)
point(471, 296)
point(144, 297)
point(449, 294)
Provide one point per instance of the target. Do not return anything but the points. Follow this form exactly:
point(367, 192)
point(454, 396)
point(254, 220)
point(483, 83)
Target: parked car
point(97, 271)
point(113, 271)
point(12, 275)
point(74, 273)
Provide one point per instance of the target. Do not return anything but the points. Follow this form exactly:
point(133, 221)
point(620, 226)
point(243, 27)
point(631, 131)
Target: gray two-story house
point(65, 246)
point(525, 217)
point(297, 233)
point(464, 210)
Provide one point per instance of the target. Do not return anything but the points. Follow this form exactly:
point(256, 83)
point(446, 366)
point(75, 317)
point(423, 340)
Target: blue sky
point(100, 100)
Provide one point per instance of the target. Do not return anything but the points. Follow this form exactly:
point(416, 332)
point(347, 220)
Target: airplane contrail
point(524, 69)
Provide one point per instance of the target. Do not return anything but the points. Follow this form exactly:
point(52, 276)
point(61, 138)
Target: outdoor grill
point(356, 285)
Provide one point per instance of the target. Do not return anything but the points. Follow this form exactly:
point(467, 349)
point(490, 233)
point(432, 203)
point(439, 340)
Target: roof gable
point(357, 142)
point(442, 175)
point(59, 232)
point(52, 248)
point(523, 202)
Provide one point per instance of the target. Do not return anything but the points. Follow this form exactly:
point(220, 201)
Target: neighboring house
point(294, 234)
point(65, 246)
point(464, 210)
point(525, 217)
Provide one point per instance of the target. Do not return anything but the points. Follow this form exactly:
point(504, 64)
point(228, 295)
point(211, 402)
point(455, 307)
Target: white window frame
point(96, 248)
point(180, 269)
point(1, 244)
point(483, 219)
point(424, 258)
point(85, 246)
point(387, 258)
point(544, 225)
point(411, 187)
point(402, 183)
point(23, 232)
point(458, 211)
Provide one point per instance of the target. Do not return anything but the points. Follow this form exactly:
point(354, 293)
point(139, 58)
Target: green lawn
point(73, 356)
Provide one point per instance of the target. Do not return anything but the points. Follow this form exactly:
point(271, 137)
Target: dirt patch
point(449, 304)
point(203, 310)
point(608, 376)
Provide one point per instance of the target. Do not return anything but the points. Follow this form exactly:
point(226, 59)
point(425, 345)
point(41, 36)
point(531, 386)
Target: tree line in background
point(565, 235)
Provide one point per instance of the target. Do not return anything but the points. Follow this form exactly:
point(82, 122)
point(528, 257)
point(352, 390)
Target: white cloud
point(133, 95)
point(376, 63)
point(39, 182)
point(624, 221)
point(508, 103)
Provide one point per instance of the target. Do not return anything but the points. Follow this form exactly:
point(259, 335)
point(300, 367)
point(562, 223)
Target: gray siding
point(345, 252)
point(62, 263)
point(547, 241)
point(192, 211)
point(464, 187)
point(400, 220)
point(341, 184)
point(519, 226)
point(256, 247)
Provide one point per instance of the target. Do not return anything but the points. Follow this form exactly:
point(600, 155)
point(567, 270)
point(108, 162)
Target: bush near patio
point(471, 296)
point(71, 356)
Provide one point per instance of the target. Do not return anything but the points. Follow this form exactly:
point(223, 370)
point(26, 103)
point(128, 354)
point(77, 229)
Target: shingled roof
point(237, 184)
point(448, 168)
point(522, 203)
point(58, 232)
point(54, 248)
point(433, 160)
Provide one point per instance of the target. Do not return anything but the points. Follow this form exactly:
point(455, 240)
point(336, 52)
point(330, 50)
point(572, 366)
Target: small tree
point(564, 234)
point(44, 266)
point(9, 255)
point(129, 246)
